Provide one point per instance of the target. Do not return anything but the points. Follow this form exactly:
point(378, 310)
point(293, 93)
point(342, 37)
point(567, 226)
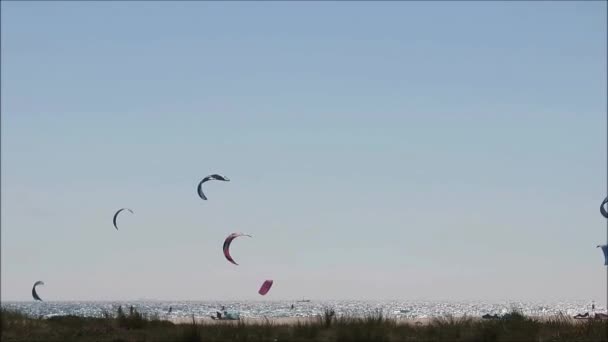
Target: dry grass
point(133, 326)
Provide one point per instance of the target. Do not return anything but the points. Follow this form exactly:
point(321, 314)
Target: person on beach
point(219, 314)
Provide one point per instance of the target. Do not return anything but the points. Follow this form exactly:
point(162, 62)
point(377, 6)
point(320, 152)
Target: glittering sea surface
point(253, 309)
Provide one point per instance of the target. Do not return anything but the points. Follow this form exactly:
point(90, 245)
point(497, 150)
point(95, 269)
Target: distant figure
point(218, 314)
point(291, 306)
point(600, 315)
point(223, 308)
point(170, 309)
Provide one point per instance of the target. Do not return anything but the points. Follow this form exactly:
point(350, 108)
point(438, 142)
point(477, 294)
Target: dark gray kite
point(116, 215)
point(199, 189)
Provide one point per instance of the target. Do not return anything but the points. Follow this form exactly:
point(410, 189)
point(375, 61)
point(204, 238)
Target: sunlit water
point(253, 309)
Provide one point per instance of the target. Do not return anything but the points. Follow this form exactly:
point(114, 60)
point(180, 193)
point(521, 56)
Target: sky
point(391, 150)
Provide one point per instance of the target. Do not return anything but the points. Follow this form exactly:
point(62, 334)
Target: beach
point(289, 321)
point(132, 326)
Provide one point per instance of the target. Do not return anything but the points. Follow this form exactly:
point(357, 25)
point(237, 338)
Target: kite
point(116, 215)
point(34, 294)
point(265, 287)
point(199, 189)
point(227, 243)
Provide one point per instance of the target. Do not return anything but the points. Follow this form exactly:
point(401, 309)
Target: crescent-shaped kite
point(116, 215)
point(199, 188)
point(227, 242)
point(34, 294)
point(602, 209)
point(265, 287)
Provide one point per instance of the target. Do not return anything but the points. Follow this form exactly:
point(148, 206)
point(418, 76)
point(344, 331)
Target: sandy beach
point(281, 320)
point(304, 320)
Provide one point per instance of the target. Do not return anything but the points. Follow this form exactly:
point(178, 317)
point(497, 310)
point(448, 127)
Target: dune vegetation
point(134, 326)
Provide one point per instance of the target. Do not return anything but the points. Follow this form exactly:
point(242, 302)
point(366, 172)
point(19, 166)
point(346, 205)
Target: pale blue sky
point(376, 150)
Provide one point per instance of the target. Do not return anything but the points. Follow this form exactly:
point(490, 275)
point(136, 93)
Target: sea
point(173, 310)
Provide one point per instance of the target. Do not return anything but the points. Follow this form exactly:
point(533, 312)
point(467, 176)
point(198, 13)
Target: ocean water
point(269, 309)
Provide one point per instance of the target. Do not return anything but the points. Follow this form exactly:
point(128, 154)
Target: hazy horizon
point(402, 150)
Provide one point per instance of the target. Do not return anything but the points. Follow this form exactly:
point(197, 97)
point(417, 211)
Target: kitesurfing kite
point(605, 250)
point(116, 215)
point(227, 243)
point(199, 189)
point(602, 209)
point(34, 294)
point(265, 287)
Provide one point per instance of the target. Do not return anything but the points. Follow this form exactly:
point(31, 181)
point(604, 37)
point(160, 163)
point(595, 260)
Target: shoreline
point(289, 321)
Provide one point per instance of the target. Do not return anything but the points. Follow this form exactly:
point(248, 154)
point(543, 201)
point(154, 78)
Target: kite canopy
point(199, 189)
point(602, 209)
point(226, 247)
point(265, 287)
point(605, 250)
point(34, 294)
point(116, 215)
